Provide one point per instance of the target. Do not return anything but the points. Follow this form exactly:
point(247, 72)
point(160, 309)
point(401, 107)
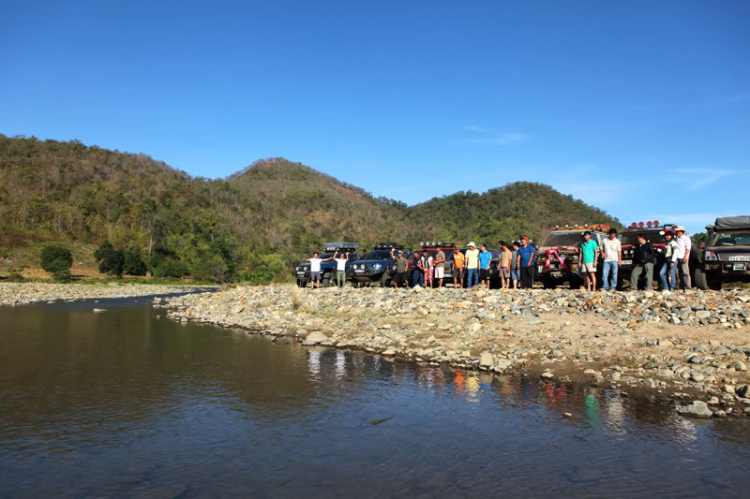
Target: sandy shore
point(25, 293)
point(692, 345)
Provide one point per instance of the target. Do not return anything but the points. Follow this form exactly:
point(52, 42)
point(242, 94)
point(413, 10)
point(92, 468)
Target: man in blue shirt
point(526, 255)
point(484, 267)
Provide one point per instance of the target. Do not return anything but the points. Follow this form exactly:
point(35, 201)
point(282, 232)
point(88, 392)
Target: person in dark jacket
point(643, 261)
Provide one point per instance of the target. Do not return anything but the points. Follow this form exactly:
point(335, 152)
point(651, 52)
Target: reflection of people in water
point(591, 407)
point(615, 414)
point(313, 361)
point(340, 365)
point(460, 382)
point(555, 393)
point(472, 388)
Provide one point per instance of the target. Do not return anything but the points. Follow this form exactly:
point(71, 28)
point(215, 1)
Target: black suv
point(726, 254)
point(375, 266)
point(327, 269)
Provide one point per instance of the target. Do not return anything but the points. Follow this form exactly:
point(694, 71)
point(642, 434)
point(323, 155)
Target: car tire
point(327, 283)
point(301, 283)
point(549, 284)
point(385, 281)
point(576, 282)
point(700, 278)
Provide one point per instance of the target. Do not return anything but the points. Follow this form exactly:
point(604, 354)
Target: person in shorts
point(458, 267)
point(315, 262)
point(439, 268)
point(485, 257)
point(427, 261)
point(506, 257)
point(587, 259)
point(401, 264)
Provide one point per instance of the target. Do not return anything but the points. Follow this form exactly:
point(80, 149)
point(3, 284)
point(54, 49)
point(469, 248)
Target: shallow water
point(123, 403)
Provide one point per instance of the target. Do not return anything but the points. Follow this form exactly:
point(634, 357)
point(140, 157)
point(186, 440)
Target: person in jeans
point(668, 262)
point(587, 260)
point(484, 267)
point(612, 250)
point(341, 267)
point(472, 266)
point(643, 261)
point(439, 268)
point(401, 265)
point(416, 267)
point(526, 255)
point(459, 261)
point(515, 272)
point(683, 257)
point(506, 259)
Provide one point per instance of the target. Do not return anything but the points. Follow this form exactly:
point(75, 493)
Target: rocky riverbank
point(25, 293)
point(690, 346)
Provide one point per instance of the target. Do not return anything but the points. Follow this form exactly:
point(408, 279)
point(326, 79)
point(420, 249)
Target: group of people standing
point(471, 268)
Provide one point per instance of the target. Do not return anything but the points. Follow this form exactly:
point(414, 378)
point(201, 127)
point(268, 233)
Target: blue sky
point(639, 107)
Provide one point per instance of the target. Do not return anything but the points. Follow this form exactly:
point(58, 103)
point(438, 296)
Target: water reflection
point(123, 403)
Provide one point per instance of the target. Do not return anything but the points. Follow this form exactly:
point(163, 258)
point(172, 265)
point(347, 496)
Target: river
point(127, 403)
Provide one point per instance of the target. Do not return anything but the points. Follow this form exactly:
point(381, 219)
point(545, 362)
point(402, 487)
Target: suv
point(726, 254)
point(557, 258)
point(654, 232)
point(375, 266)
point(327, 269)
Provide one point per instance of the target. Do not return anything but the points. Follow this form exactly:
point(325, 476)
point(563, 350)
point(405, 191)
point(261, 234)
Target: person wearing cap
point(526, 254)
point(683, 257)
point(472, 266)
point(401, 265)
point(612, 251)
point(587, 259)
point(643, 260)
point(459, 261)
point(668, 262)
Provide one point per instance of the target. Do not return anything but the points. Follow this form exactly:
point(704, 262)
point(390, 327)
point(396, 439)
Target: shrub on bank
point(57, 260)
point(133, 265)
point(110, 260)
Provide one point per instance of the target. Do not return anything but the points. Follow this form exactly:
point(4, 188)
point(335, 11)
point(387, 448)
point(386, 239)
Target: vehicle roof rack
point(387, 246)
point(340, 246)
point(436, 244)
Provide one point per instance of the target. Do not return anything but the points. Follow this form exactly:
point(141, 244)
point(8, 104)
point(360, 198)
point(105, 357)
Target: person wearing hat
point(612, 251)
point(683, 256)
point(401, 265)
point(668, 262)
point(472, 266)
point(526, 254)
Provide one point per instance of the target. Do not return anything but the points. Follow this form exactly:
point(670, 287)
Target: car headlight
point(377, 266)
point(710, 256)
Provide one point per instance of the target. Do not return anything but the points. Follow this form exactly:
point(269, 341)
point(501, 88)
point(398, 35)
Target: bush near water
point(252, 226)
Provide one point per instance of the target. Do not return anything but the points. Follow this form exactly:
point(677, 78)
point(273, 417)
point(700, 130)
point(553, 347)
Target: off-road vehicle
point(375, 266)
point(327, 269)
point(557, 259)
point(726, 254)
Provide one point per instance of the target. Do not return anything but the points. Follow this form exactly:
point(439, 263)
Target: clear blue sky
point(639, 107)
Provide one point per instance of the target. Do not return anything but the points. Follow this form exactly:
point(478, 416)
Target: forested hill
point(505, 212)
point(261, 219)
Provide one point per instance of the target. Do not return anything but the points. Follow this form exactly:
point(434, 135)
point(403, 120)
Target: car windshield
point(631, 238)
point(725, 239)
point(563, 239)
point(378, 255)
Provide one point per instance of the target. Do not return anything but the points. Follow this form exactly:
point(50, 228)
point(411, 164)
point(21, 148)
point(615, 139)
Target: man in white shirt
point(683, 257)
point(612, 250)
point(315, 262)
point(341, 267)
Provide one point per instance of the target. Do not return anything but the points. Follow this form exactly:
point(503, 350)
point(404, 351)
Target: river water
point(127, 403)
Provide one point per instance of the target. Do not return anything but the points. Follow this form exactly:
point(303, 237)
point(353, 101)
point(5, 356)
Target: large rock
point(744, 391)
point(697, 409)
point(486, 359)
point(314, 338)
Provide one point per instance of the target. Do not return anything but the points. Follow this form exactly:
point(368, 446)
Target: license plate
point(556, 274)
point(738, 266)
point(360, 271)
point(540, 269)
point(300, 274)
point(627, 262)
point(739, 258)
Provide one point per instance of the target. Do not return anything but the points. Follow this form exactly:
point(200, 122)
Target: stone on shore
point(697, 409)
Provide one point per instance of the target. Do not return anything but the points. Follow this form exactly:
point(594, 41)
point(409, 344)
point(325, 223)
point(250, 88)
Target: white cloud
point(487, 136)
point(694, 179)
